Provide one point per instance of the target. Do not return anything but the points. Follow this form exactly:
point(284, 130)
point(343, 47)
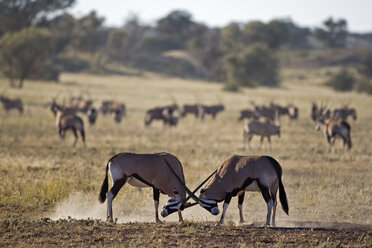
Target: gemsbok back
point(67, 119)
point(333, 129)
point(238, 174)
point(263, 129)
point(162, 172)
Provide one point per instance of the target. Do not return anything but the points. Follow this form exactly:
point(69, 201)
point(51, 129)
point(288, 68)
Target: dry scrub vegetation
point(43, 181)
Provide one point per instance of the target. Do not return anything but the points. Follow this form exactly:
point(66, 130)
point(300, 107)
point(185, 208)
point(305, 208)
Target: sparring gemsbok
point(238, 174)
point(161, 171)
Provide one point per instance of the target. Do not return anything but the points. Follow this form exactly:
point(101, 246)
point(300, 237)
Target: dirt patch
point(87, 233)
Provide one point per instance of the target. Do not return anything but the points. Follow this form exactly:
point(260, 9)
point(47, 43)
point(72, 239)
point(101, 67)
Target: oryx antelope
point(320, 113)
point(92, 116)
point(248, 114)
point(238, 174)
point(263, 129)
point(162, 113)
point(10, 104)
point(67, 119)
point(269, 113)
point(190, 109)
point(344, 113)
point(161, 171)
point(80, 104)
point(333, 129)
point(212, 110)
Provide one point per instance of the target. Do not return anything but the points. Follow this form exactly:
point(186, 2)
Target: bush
point(342, 81)
point(253, 66)
point(364, 86)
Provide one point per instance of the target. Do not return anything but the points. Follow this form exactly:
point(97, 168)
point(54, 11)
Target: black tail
point(104, 188)
point(282, 194)
point(348, 139)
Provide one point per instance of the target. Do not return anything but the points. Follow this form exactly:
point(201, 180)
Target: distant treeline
point(39, 39)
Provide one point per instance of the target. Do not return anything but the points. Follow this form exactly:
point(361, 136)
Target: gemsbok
point(190, 109)
point(162, 172)
point(66, 119)
point(263, 129)
point(333, 129)
point(212, 110)
point(344, 113)
point(162, 113)
point(10, 104)
point(238, 174)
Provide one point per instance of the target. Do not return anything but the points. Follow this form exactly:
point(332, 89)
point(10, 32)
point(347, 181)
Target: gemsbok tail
point(282, 194)
point(348, 138)
point(104, 187)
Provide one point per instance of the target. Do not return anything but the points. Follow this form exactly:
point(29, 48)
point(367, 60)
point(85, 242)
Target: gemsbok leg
point(268, 199)
point(156, 194)
point(76, 136)
point(273, 191)
point(112, 194)
point(240, 206)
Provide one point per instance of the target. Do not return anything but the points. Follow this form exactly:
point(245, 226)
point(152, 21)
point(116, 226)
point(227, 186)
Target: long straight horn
point(182, 183)
point(200, 185)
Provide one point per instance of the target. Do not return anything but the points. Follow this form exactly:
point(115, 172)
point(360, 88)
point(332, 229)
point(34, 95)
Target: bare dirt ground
point(94, 233)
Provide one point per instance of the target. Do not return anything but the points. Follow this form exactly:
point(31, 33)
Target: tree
point(87, 35)
point(252, 66)
point(273, 34)
point(24, 53)
point(231, 37)
point(333, 34)
point(17, 14)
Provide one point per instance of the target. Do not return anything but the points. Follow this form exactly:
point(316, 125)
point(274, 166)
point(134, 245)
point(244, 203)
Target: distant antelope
point(292, 112)
point(263, 129)
point(320, 113)
point(190, 109)
point(269, 113)
point(66, 120)
point(92, 116)
point(212, 110)
point(344, 113)
point(10, 104)
point(162, 113)
point(333, 129)
point(238, 174)
point(162, 172)
point(248, 114)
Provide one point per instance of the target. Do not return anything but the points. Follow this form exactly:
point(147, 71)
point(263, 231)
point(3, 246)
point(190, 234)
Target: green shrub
point(341, 81)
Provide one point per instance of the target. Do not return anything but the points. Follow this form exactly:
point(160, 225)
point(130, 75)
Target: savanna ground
point(48, 190)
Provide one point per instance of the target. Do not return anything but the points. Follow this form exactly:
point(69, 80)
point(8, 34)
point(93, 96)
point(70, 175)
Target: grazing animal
point(344, 113)
point(10, 104)
point(212, 110)
point(162, 113)
point(269, 113)
point(80, 104)
point(248, 114)
point(190, 109)
point(333, 129)
point(161, 171)
point(320, 113)
point(292, 112)
point(263, 129)
point(238, 174)
point(92, 116)
point(113, 107)
point(66, 120)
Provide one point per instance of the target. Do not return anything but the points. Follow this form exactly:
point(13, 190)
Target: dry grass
point(42, 178)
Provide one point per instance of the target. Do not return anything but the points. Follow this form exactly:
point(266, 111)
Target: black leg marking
point(117, 186)
point(241, 198)
point(156, 194)
point(264, 191)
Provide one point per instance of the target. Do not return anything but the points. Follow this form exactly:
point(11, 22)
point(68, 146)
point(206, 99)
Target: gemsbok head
point(238, 174)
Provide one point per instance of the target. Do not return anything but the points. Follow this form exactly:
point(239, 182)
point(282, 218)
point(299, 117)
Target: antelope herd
point(163, 172)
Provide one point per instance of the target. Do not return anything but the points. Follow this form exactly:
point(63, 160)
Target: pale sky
point(218, 13)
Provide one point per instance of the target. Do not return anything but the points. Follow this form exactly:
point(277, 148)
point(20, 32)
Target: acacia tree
point(333, 34)
point(18, 14)
point(23, 53)
point(252, 66)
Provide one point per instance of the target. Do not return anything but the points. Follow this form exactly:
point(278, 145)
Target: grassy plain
point(43, 180)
